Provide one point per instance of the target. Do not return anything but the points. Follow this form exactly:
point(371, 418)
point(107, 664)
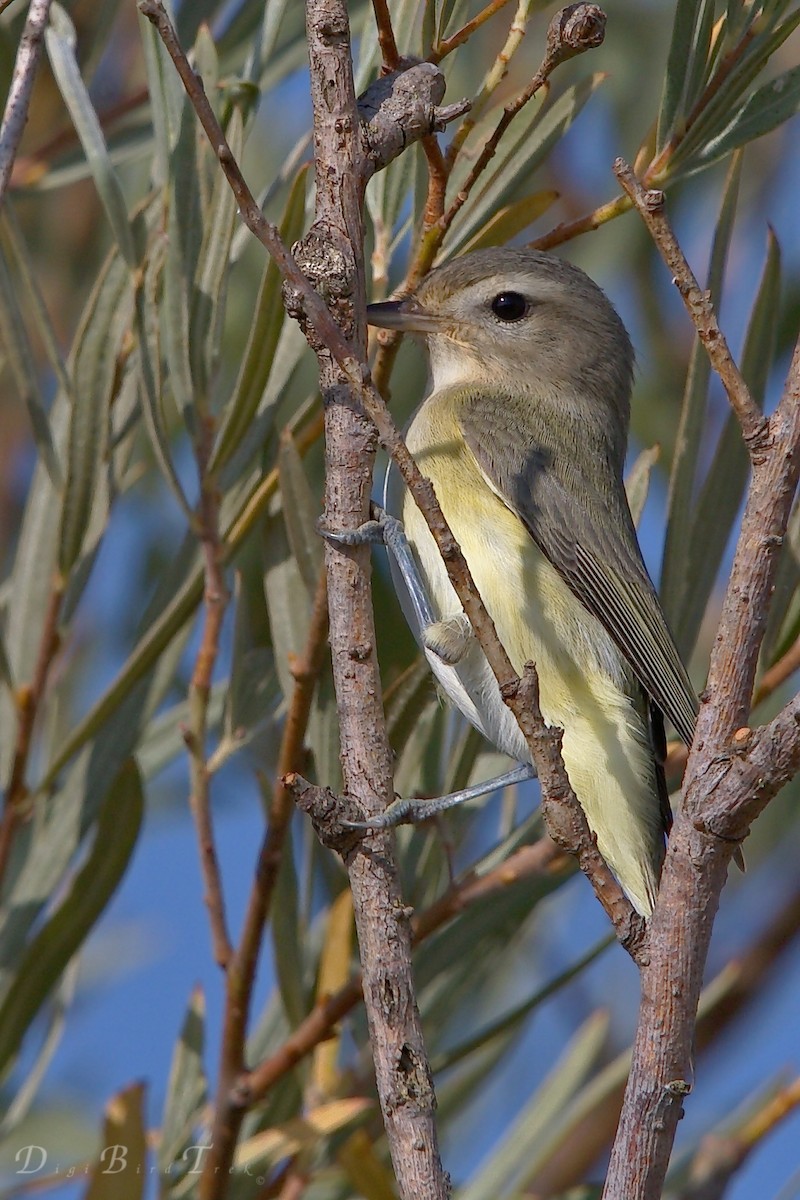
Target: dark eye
point(509, 306)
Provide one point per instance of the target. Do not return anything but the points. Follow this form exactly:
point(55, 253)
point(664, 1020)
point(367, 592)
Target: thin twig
point(777, 674)
point(215, 598)
point(19, 94)
point(448, 45)
point(492, 80)
point(586, 224)
point(572, 31)
point(530, 862)
point(386, 38)
point(720, 1155)
point(650, 205)
point(233, 1097)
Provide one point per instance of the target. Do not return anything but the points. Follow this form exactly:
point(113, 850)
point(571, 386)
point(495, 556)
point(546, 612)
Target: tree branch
point(15, 115)
point(731, 775)
point(331, 257)
point(650, 205)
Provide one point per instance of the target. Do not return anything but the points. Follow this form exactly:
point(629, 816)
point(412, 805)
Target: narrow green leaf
point(27, 272)
point(166, 96)
point(262, 344)
point(265, 40)
point(208, 295)
point(672, 108)
point(511, 220)
point(19, 356)
point(46, 957)
point(288, 602)
point(60, 39)
point(510, 1021)
point(764, 111)
point(716, 115)
point(700, 55)
point(287, 938)
point(449, 11)
point(148, 330)
point(301, 510)
point(95, 364)
point(18, 1107)
point(184, 239)
point(637, 483)
point(31, 583)
point(517, 1156)
point(724, 487)
point(187, 1092)
point(524, 148)
point(680, 505)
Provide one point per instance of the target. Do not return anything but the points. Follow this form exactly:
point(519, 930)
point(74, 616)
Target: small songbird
point(523, 433)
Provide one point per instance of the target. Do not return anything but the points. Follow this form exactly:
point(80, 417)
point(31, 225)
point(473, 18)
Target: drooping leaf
point(765, 110)
point(637, 482)
point(262, 344)
point(516, 1158)
point(187, 1090)
point(522, 150)
point(98, 349)
point(60, 39)
point(46, 956)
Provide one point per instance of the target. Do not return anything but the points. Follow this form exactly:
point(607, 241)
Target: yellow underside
point(584, 684)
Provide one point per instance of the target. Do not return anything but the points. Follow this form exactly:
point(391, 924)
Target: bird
point(523, 432)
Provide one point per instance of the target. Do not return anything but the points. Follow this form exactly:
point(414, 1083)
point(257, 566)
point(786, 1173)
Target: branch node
point(400, 108)
point(575, 29)
point(678, 1087)
point(327, 811)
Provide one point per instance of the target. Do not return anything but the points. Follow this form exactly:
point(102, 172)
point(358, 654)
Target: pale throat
point(453, 364)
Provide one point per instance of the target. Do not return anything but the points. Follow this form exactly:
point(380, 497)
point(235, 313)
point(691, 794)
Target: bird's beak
point(407, 315)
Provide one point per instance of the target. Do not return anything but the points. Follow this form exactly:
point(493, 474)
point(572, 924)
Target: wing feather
point(580, 520)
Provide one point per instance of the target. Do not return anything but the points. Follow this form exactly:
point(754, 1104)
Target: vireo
point(523, 432)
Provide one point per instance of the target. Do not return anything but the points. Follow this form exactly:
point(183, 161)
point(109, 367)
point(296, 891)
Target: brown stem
point(650, 205)
point(541, 859)
point(731, 775)
point(386, 38)
point(437, 182)
point(448, 45)
point(332, 254)
point(18, 100)
point(234, 1096)
point(215, 601)
point(585, 224)
point(575, 29)
point(777, 674)
point(738, 985)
